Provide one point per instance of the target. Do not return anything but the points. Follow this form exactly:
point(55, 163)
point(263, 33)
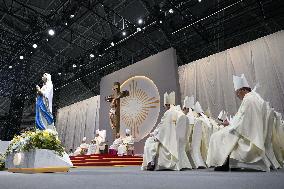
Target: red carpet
point(105, 160)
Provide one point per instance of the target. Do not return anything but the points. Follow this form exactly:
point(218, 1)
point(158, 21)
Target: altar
point(3, 146)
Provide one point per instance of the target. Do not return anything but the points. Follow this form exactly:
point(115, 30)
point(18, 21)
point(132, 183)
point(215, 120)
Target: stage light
point(10, 67)
point(66, 23)
point(138, 29)
point(59, 73)
point(100, 55)
point(72, 16)
point(171, 11)
point(34, 46)
point(51, 32)
point(92, 55)
point(124, 33)
point(112, 43)
point(199, 1)
point(21, 57)
point(46, 39)
point(140, 21)
point(74, 65)
point(161, 21)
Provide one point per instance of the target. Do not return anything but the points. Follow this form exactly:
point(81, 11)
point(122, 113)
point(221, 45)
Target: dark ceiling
point(83, 27)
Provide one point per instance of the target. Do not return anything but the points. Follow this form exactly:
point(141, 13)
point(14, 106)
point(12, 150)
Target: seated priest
point(127, 145)
point(92, 147)
point(100, 141)
point(82, 149)
point(242, 143)
point(114, 147)
point(171, 138)
point(151, 144)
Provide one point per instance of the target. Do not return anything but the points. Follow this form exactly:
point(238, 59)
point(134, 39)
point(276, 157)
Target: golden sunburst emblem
point(141, 102)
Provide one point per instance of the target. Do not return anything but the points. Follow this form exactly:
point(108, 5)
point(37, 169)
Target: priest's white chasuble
point(244, 140)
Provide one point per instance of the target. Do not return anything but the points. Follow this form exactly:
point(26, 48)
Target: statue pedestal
point(38, 161)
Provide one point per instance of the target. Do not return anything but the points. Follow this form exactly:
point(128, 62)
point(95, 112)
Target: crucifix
point(114, 113)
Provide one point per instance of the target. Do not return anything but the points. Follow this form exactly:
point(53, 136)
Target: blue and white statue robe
point(44, 119)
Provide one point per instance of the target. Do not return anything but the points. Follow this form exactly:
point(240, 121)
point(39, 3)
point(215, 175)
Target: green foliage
point(47, 139)
point(2, 161)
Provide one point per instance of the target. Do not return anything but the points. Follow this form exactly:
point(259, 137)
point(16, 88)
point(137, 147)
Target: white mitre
point(198, 108)
point(102, 133)
point(166, 98)
point(186, 102)
point(191, 102)
point(172, 98)
point(222, 115)
point(240, 82)
point(127, 131)
point(97, 132)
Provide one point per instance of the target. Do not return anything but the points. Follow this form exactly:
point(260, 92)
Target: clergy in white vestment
point(82, 149)
point(127, 144)
point(114, 147)
point(188, 106)
point(151, 144)
point(242, 143)
point(100, 141)
point(172, 140)
point(150, 151)
point(92, 148)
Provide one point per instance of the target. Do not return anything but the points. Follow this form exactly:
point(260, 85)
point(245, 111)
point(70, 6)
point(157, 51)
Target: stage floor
point(132, 177)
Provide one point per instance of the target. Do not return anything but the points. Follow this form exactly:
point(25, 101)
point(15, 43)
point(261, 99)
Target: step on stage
point(105, 160)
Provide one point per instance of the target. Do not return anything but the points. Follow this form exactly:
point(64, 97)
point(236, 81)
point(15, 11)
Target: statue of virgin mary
point(44, 119)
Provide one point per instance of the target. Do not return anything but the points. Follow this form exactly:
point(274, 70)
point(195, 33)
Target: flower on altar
point(30, 140)
point(2, 161)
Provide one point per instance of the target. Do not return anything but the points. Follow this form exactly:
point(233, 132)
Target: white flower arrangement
point(46, 139)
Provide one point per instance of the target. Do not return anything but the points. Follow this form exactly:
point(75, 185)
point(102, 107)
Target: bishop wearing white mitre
point(188, 106)
point(100, 141)
point(82, 149)
point(127, 144)
point(116, 143)
point(165, 148)
point(151, 144)
point(242, 144)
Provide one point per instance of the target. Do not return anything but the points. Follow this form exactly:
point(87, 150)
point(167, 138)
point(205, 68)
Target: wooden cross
point(114, 113)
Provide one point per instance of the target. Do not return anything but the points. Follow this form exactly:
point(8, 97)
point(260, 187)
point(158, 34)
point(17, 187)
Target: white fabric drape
point(210, 81)
point(77, 121)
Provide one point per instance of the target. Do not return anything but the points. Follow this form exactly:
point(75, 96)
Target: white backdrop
point(78, 120)
point(210, 79)
point(139, 110)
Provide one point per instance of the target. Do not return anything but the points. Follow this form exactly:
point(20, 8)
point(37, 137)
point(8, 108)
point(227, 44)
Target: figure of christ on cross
point(114, 113)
